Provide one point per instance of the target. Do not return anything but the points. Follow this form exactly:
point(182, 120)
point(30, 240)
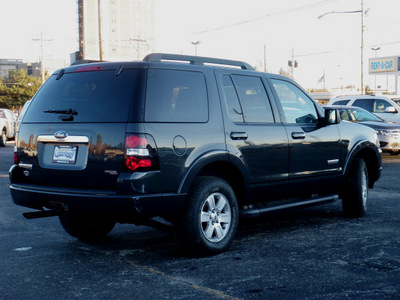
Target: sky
point(232, 29)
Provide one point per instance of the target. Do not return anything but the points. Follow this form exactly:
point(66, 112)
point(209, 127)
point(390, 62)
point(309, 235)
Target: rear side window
point(94, 96)
point(246, 94)
point(176, 96)
point(254, 99)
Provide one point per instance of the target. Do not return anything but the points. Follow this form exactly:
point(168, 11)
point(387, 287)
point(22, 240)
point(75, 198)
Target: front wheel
point(211, 217)
point(89, 228)
point(355, 197)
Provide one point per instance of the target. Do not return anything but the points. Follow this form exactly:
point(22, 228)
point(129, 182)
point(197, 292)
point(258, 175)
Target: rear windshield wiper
point(70, 111)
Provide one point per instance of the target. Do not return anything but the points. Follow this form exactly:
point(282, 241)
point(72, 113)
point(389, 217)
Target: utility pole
point(292, 64)
point(138, 40)
point(41, 53)
point(265, 58)
point(100, 40)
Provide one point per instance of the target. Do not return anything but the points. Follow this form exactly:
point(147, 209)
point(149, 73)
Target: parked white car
point(7, 121)
point(381, 106)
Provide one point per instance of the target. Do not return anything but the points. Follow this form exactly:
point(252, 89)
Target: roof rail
point(196, 60)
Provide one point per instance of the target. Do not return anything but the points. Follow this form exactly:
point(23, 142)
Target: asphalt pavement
point(313, 253)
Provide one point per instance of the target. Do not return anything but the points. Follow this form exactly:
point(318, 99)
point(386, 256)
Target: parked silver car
point(388, 133)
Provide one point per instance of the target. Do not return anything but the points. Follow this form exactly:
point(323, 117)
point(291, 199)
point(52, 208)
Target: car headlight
point(383, 132)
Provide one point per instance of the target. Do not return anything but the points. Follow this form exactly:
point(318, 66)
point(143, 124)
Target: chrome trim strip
point(316, 172)
point(25, 166)
point(333, 161)
point(69, 139)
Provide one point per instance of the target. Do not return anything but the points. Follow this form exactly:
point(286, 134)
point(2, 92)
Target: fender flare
point(354, 152)
point(211, 157)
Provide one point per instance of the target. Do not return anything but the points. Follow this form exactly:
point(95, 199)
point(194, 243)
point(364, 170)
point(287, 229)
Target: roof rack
point(196, 60)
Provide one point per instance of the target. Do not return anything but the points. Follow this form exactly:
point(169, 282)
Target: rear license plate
point(65, 154)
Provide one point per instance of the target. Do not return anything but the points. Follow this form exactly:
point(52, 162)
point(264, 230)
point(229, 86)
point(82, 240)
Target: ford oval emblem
point(61, 134)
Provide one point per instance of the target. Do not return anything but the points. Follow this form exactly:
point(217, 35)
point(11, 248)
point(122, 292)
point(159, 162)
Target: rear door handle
point(298, 135)
point(238, 135)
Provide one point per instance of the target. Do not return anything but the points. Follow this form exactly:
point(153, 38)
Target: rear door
point(74, 130)
point(254, 134)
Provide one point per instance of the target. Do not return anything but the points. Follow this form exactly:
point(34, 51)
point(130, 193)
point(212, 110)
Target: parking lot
point(313, 253)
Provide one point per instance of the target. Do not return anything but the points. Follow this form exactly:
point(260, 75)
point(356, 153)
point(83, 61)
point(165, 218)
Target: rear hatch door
point(73, 133)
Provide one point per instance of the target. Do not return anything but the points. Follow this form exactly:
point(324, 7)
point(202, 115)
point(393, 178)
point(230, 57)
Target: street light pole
point(195, 46)
point(362, 47)
point(362, 36)
point(376, 50)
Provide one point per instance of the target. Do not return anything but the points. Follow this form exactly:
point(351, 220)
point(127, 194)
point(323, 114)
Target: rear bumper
point(123, 207)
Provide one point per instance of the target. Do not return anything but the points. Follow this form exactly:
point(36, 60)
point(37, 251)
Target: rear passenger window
point(176, 96)
point(232, 100)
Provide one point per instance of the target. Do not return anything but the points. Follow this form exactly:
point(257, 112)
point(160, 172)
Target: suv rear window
point(176, 96)
point(341, 102)
point(99, 96)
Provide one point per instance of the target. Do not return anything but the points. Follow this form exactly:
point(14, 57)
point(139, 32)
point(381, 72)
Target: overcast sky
point(230, 29)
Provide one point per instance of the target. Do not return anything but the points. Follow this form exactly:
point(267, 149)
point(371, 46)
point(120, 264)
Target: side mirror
point(391, 109)
point(332, 116)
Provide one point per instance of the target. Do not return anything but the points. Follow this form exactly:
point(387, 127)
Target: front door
point(314, 153)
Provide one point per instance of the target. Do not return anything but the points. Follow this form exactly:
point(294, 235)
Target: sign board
point(384, 65)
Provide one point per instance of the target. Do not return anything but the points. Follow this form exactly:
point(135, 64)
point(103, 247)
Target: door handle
point(238, 135)
point(298, 135)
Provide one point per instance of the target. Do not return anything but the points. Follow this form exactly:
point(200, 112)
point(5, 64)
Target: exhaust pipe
point(41, 214)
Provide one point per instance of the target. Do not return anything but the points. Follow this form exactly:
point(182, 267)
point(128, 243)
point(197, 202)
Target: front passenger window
point(381, 105)
point(297, 107)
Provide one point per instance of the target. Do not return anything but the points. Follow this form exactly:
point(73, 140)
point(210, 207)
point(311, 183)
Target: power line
point(266, 16)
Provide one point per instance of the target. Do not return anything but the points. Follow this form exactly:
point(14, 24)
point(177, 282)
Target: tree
point(17, 89)
point(284, 73)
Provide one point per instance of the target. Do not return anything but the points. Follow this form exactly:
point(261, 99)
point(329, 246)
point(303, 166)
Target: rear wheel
point(356, 195)
point(211, 218)
point(85, 227)
point(3, 139)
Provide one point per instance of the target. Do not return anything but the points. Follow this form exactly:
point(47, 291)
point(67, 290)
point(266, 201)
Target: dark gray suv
point(199, 144)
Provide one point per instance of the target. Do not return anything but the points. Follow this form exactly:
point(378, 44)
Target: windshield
point(99, 96)
point(357, 115)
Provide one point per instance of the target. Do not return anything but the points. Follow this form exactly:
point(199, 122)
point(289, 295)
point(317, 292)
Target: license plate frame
point(65, 154)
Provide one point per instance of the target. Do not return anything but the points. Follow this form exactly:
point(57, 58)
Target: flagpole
point(324, 81)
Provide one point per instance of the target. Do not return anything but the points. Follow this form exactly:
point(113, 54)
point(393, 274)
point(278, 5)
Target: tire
point(355, 197)
point(211, 217)
point(85, 227)
point(3, 139)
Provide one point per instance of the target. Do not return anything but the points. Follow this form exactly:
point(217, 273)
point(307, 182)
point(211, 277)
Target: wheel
point(355, 197)
point(210, 221)
point(3, 139)
point(85, 227)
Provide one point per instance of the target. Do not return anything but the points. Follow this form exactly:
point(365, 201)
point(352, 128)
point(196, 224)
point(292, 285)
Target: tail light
point(16, 159)
point(140, 153)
